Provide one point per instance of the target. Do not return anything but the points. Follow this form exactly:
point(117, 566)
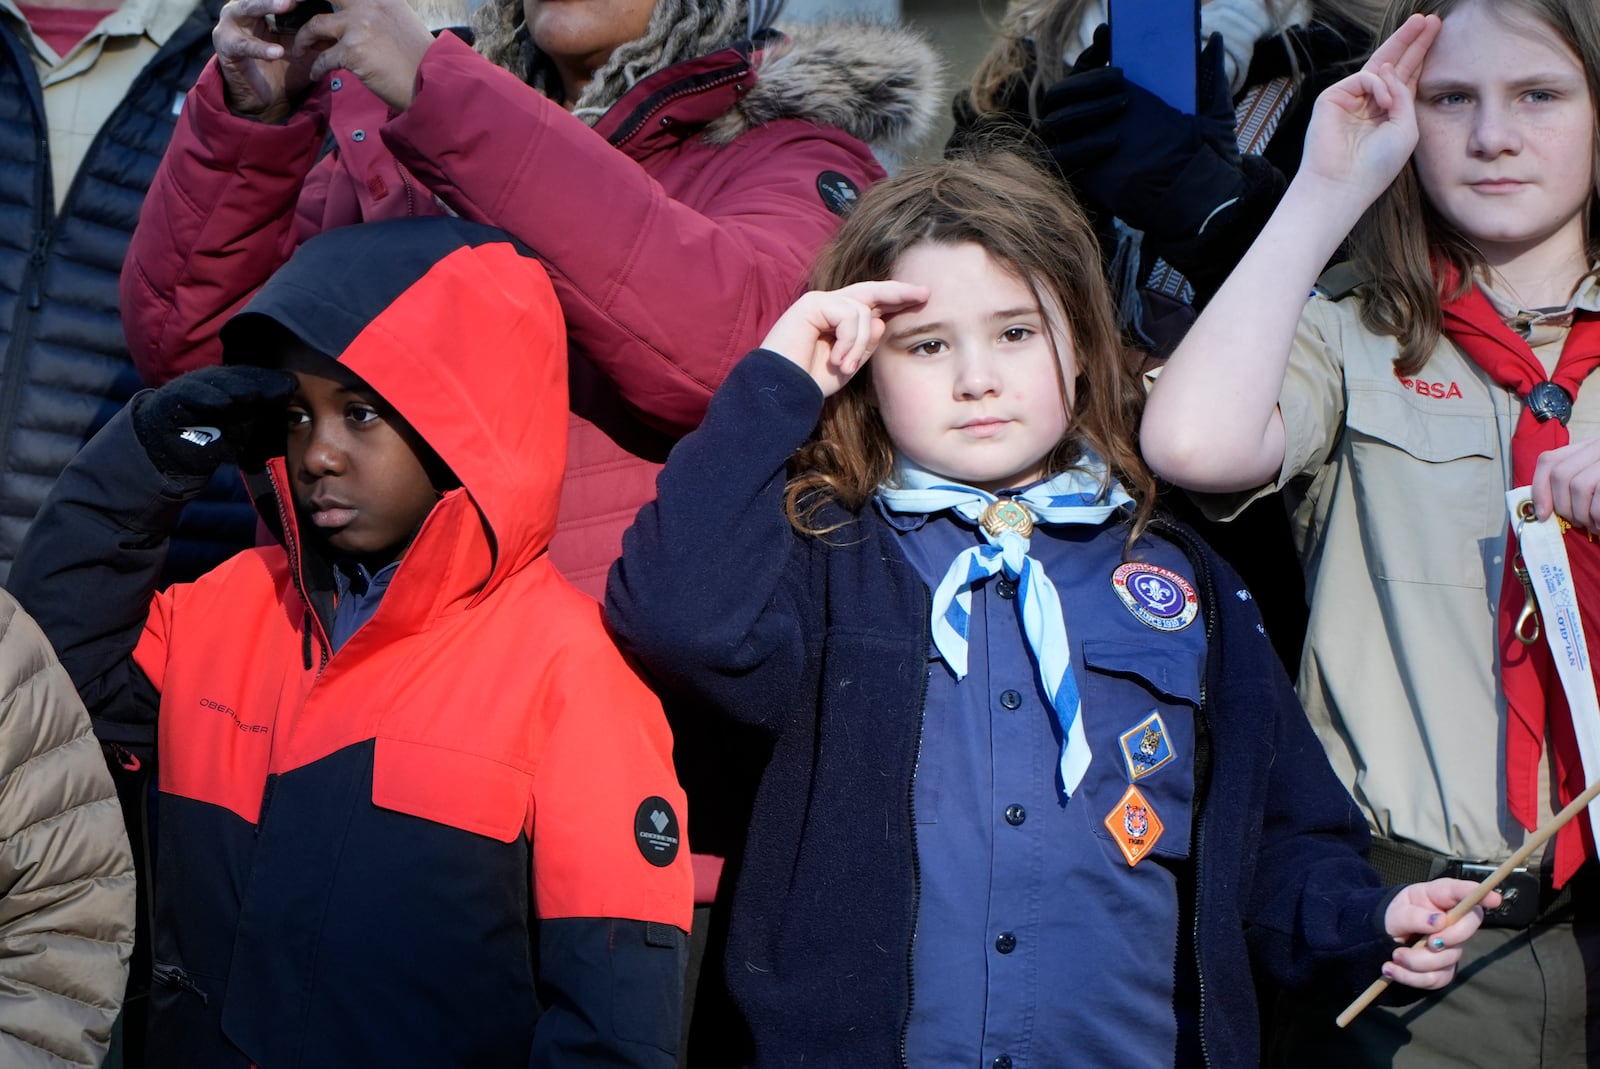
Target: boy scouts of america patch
point(655, 831)
point(1146, 746)
point(1160, 599)
point(1134, 825)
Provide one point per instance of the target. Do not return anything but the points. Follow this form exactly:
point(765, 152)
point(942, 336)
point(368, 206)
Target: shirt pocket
point(1429, 488)
point(1127, 684)
point(452, 787)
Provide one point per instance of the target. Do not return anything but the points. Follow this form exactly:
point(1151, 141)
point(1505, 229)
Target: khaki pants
point(1521, 998)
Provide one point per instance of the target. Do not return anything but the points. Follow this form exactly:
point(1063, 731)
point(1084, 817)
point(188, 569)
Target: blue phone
point(1157, 45)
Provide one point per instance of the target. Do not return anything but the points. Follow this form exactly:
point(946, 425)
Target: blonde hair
point(1027, 222)
point(1035, 37)
point(1401, 242)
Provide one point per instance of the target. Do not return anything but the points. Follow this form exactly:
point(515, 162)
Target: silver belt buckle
point(1519, 895)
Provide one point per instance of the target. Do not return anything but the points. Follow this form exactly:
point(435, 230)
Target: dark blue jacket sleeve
point(611, 994)
point(1314, 907)
point(89, 566)
point(710, 592)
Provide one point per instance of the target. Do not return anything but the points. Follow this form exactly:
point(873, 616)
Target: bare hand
point(1364, 128)
point(1566, 482)
point(382, 42)
point(831, 334)
point(261, 75)
point(1419, 910)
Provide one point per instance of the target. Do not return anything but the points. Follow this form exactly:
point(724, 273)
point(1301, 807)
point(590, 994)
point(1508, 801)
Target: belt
point(1528, 895)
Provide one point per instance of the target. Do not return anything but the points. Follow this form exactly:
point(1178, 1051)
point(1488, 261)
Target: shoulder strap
point(1340, 281)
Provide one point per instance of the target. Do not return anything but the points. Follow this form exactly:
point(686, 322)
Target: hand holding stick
point(1536, 840)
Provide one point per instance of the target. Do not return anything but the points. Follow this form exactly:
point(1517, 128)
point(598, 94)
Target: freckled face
point(353, 463)
point(969, 385)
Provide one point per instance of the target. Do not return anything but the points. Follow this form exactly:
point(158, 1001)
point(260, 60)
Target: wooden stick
point(1490, 882)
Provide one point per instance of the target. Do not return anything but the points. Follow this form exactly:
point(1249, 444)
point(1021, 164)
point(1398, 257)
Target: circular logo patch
point(1160, 599)
point(837, 192)
point(655, 831)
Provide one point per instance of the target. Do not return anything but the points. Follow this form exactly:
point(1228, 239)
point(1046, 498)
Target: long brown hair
point(1027, 222)
point(1037, 38)
point(1395, 246)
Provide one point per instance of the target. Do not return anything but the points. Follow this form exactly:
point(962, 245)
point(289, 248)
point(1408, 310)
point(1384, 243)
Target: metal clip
point(1530, 607)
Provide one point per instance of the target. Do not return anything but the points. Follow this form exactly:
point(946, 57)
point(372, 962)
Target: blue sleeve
point(89, 567)
point(710, 592)
point(611, 994)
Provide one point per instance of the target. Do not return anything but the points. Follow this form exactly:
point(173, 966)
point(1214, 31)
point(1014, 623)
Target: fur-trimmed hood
point(881, 83)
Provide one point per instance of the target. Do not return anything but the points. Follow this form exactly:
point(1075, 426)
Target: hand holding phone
point(303, 12)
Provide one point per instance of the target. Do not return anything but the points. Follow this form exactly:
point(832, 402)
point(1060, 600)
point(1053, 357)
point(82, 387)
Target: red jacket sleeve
point(220, 217)
point(662, 290)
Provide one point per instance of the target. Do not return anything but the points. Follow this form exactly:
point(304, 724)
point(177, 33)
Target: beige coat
point(66, 874)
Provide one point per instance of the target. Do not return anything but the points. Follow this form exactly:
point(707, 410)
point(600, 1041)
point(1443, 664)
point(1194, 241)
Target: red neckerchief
point(1527, 673)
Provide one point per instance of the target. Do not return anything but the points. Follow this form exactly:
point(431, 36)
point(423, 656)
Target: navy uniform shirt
point(1037, 943)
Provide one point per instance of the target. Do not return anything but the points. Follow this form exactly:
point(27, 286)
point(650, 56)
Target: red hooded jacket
point(394, 853)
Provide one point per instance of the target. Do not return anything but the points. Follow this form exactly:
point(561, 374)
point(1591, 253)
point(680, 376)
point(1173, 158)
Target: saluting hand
point(831, 334)
point(381, 42)
point(1364, 128)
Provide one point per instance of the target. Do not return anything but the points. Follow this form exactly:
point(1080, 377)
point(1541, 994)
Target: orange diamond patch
point(1134, 825)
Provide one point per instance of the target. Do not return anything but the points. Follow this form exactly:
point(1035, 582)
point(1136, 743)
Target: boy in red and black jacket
point(415, 808)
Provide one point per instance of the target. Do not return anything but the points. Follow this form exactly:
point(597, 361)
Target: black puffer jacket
point(66, 368)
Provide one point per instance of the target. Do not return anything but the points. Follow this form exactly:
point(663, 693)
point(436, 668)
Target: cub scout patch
point(1160, 599)
point(1146, 746)
point(1134, 825)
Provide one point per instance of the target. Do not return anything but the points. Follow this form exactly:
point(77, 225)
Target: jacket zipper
point(648, 108)
point(1208, 593)
point(172, 976)
point(911, 815)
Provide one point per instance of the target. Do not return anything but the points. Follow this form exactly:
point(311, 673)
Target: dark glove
point(195, 422)
point(1130, 153)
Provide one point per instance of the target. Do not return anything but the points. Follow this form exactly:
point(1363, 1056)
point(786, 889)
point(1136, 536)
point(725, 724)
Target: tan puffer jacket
point(66, 874)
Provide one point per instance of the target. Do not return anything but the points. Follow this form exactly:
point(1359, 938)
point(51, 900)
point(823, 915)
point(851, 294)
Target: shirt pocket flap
point(1172, 672)
point(1432, 436)
point(452, 787)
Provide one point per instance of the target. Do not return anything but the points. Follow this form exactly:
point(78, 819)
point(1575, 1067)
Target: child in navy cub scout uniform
point(415, 807)
point(1039, 793)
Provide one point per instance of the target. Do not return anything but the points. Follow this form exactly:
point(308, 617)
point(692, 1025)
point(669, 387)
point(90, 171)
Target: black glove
point(1128, 152)
point(195, 422)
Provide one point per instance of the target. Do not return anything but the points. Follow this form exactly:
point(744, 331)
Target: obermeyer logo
point(838, 193)
point(655, 831)
point(232, 713)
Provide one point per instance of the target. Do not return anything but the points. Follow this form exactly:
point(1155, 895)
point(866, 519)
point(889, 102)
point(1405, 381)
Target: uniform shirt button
point(1006, 943)
point(1006, 589)
point(1010, 699)
point(359, 135)
point(1015, 815)
point(1002, 1062)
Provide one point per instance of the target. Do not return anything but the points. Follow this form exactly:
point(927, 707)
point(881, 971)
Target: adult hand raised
point(261, 70)
point(1364, 128)
point(381, 42)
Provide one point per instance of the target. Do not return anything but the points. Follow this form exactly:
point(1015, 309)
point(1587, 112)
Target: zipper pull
point(36, 262)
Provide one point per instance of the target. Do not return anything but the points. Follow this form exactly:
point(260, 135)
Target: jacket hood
point(883, 84)
point(456, 326)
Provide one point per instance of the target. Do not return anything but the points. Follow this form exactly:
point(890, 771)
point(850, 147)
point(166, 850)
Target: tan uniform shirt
point(83, 87)
point(1397, 490)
